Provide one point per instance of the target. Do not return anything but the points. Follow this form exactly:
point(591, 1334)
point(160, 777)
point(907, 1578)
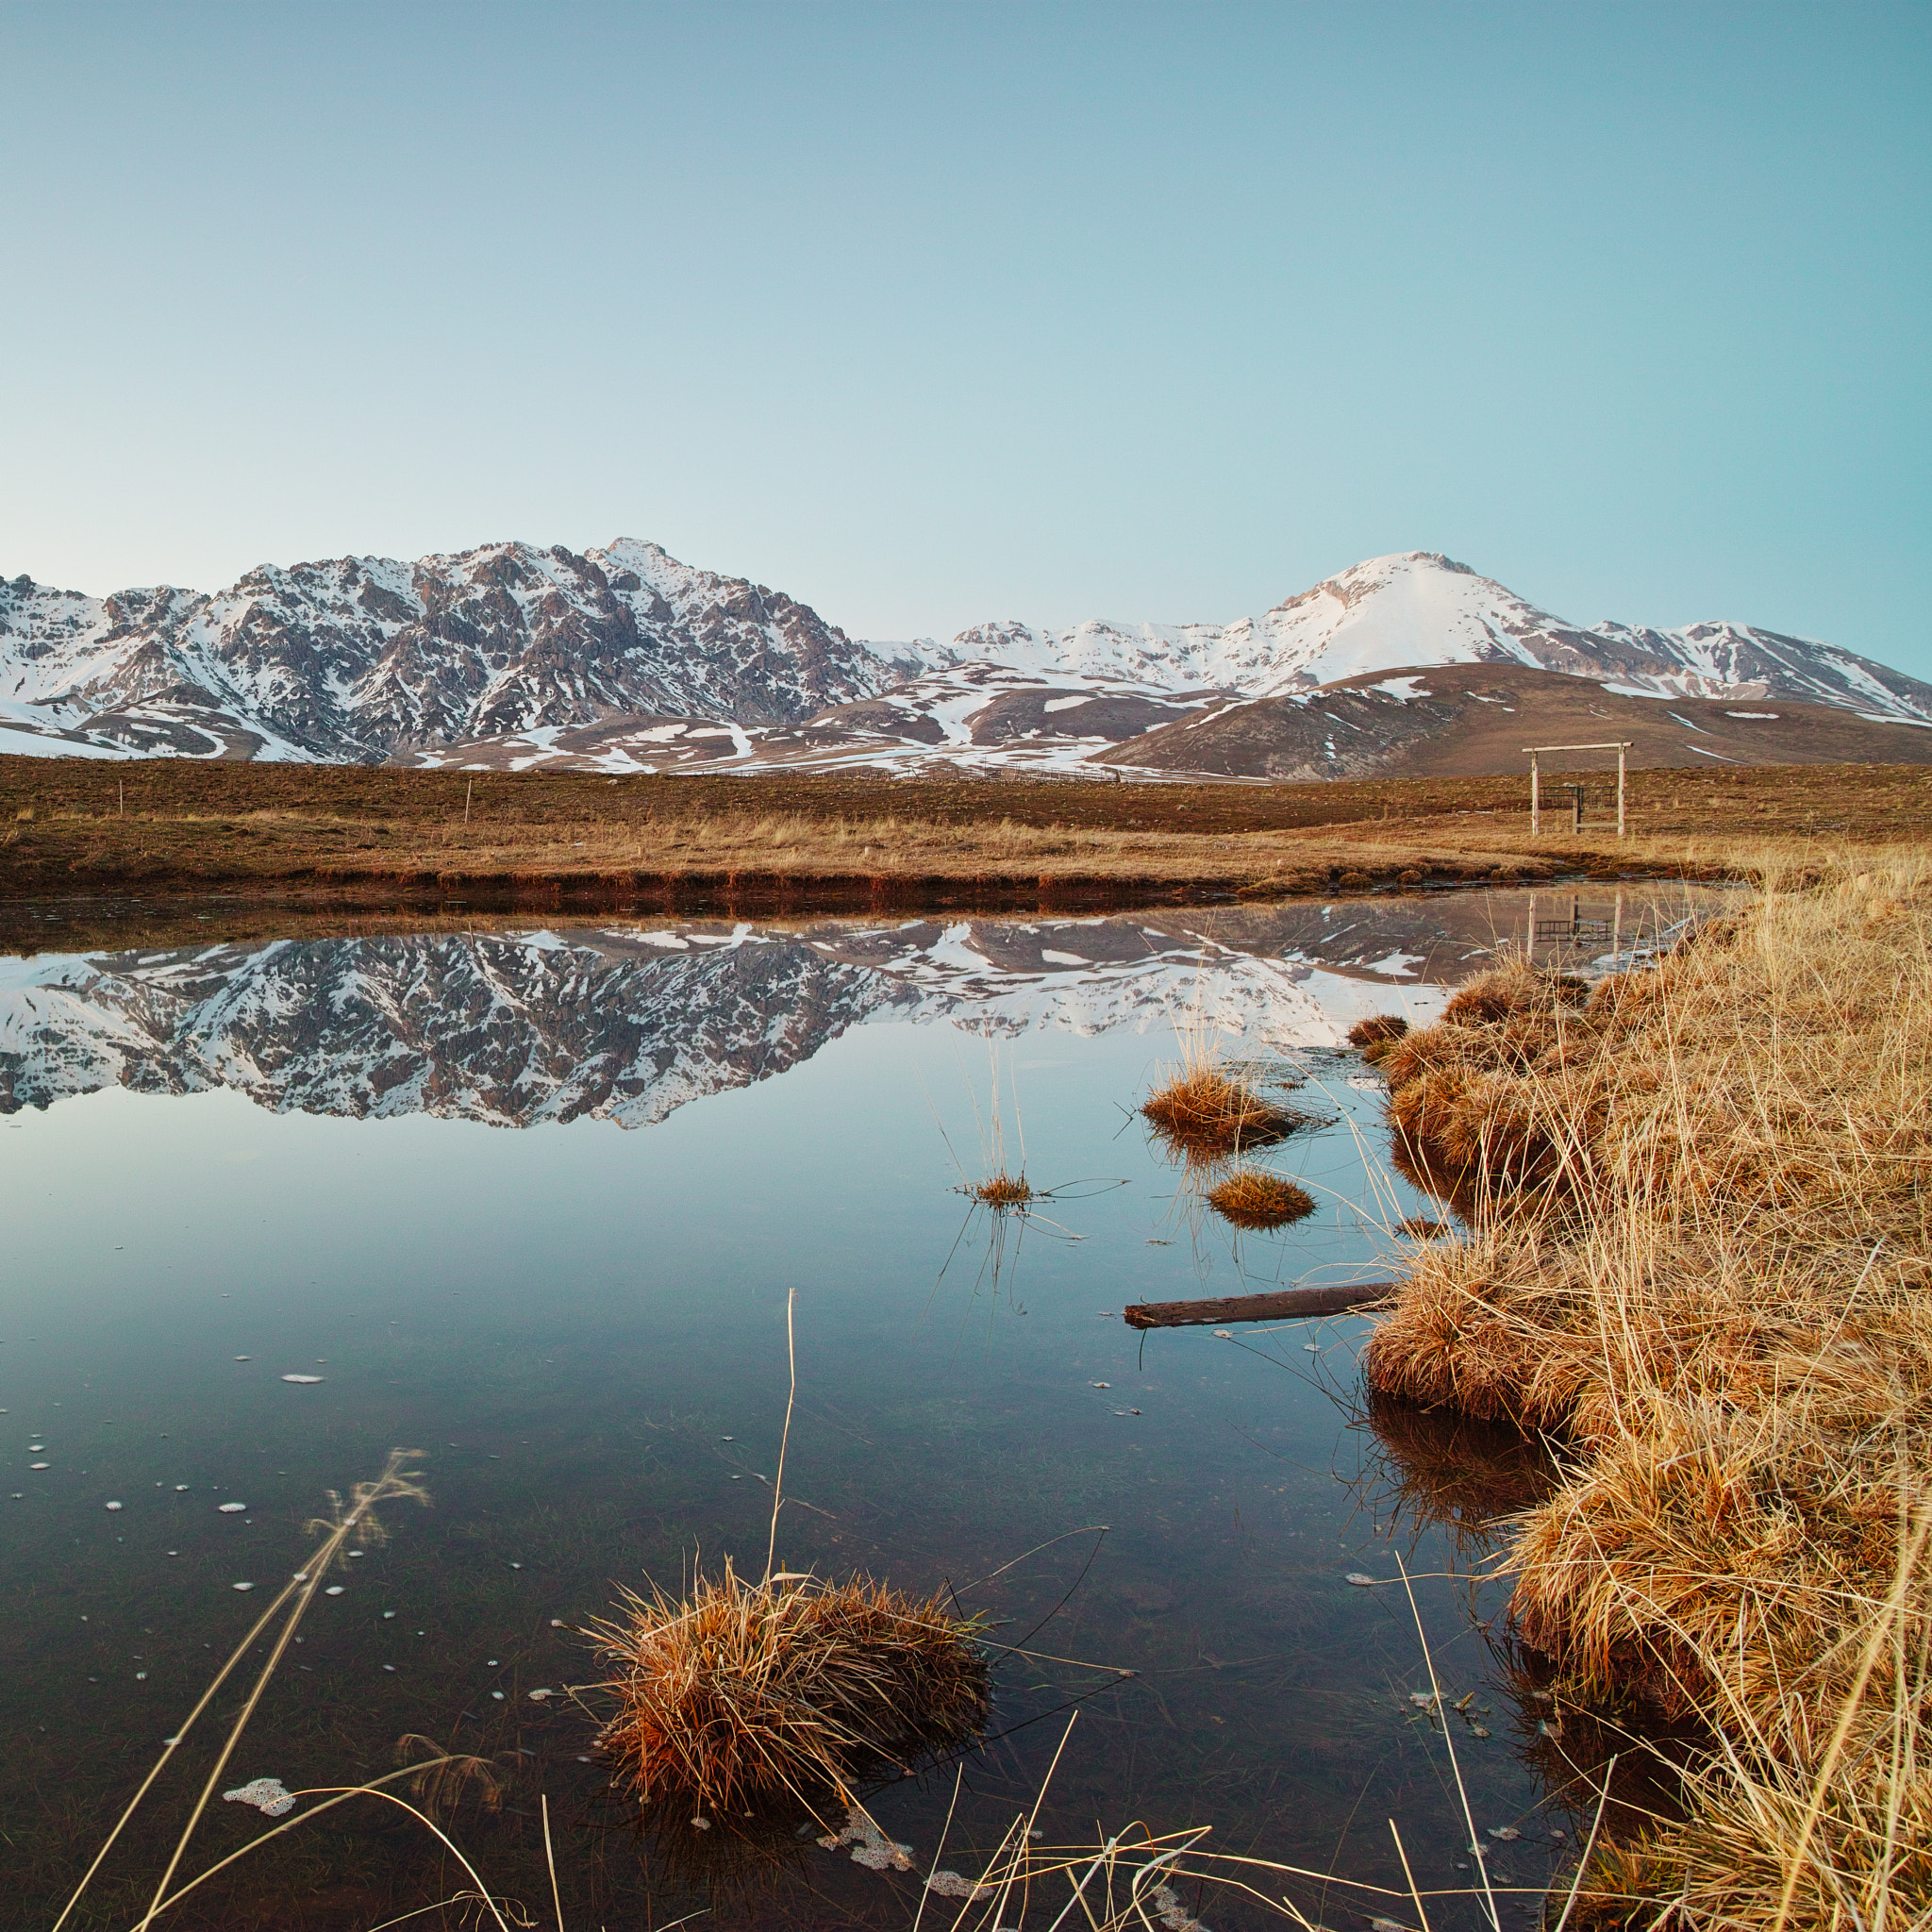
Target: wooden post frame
point(1536, 751)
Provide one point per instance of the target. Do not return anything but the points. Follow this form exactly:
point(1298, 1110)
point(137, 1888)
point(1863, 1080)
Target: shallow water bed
point(532, 1202)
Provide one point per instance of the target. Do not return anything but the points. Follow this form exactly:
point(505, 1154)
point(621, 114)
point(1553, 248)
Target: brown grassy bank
point(772, 844)
point(1700, 1256)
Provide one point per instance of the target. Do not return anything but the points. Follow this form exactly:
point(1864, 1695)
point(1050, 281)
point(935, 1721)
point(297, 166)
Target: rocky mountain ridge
point(622, 659)
point(1419, 607)
point(363, 659)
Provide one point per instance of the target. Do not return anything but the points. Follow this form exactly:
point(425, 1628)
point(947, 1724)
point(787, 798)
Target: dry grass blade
point(333, 1796)
point(550, 1861)
point(399, 1479)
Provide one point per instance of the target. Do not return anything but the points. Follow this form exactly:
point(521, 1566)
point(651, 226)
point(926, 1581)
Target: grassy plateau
point(374, 834)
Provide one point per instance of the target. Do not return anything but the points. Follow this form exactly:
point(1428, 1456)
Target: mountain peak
point(362, 658)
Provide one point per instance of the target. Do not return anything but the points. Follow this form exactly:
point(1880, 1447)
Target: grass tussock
point(1203, 1112)
point(1255, 1198)
point(1699, 1258)
point(743, 1695)
point(1002, 1191)
point(1374, 1036)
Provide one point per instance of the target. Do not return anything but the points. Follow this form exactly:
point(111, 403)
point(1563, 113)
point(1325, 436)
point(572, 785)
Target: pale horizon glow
point(935, 316)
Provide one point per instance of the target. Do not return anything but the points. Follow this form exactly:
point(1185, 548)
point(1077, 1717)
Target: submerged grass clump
point(1205, 1113)
point(790, 1690)
point(1700, 1256)
point(1255, 1198)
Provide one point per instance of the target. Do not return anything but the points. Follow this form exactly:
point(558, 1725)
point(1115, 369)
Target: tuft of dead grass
point(1203, 1112)
point(1252, 1197)
point(1699, 1259)
point(1002, 1191)
point(1374, 1036)
point(742, 1695)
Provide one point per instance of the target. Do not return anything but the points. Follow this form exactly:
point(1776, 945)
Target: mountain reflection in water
point(273, 1243)
point(627, 1024)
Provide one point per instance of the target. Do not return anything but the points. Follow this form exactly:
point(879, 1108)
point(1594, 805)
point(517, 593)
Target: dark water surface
point(532, 1202)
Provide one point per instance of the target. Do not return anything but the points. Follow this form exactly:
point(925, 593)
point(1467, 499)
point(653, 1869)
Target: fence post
point(1620, 791)
point(1535, 812)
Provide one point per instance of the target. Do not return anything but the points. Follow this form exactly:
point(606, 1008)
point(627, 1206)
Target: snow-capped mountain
point(622, 659)
point(360, 658)
point(1422, 610)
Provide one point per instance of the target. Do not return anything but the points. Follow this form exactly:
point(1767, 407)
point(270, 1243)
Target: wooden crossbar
point(1621, 747)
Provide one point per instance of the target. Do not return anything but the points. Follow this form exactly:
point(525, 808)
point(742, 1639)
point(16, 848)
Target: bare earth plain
point(346, 836)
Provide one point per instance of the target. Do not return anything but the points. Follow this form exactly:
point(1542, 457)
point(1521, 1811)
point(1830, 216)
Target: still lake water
point(532, 1202)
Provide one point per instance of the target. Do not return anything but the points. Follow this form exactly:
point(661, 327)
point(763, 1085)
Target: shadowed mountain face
point(517, 1029)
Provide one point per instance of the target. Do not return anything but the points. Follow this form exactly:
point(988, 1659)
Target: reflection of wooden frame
point(1575, 929)
point(1535, 751)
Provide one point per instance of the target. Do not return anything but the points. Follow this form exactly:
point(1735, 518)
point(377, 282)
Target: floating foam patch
point(266, 1794)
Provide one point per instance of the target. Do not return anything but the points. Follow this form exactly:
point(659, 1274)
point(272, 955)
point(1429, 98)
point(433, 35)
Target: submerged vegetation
point(430, 1773)
point(1698, 1261)
point(1252, 1197)
point(792, 1689)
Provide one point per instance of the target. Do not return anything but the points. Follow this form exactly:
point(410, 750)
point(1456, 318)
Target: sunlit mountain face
point(622, 659)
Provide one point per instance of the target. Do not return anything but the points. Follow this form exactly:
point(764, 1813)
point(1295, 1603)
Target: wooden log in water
point(1290, 1305)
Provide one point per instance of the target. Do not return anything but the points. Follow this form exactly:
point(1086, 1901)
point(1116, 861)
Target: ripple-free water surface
point(532, 1202)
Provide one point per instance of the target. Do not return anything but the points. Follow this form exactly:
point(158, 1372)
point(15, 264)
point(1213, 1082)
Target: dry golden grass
point(1699, 1256)
point(1002, 1191)
point(789, 1692)
point(1376, 1035)
point(1255, 1198)
point(1203, 1112)
point(191, 826)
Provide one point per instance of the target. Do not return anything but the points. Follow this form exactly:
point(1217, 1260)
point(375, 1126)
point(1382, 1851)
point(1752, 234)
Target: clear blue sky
point(933, 313)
